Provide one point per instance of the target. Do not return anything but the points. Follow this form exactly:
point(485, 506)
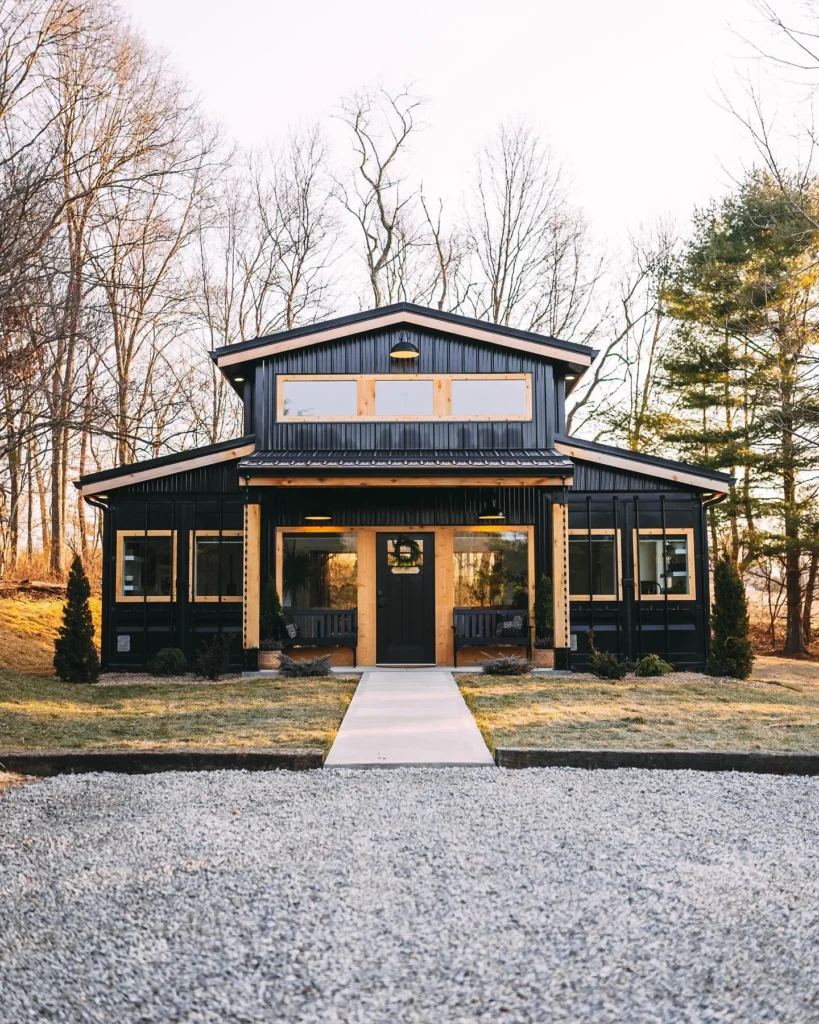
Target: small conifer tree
point(75, 654)
point(731, 653)
point(269, 609)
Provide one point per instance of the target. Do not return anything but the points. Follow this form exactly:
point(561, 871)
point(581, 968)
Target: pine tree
point(75, 654)
point(731, 653)
point(269, 610)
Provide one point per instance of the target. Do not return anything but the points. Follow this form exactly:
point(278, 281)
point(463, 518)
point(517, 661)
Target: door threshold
point(402, 664)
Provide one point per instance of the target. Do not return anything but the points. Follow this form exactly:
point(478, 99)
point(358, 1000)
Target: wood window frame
point(121, 598)
point(441, 397)
point(655, 531)
point(211, 598)
point(444, 568)
point(616, 534)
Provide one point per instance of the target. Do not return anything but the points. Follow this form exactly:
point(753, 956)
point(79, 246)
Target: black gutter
point(648, 460)
point(164, 460)
point(403, 307)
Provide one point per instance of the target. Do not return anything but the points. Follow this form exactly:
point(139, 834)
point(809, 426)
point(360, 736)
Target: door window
point(405, 555)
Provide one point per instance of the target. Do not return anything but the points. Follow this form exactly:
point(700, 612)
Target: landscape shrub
point(168, 661)
point(75, 653)
point(731, 653)
point(213, 658)
point(605, 665)
point(309, 667)
point(544, 613)
point(506, 667)
point(269, 610)
point(269, 644)
point(652, 665)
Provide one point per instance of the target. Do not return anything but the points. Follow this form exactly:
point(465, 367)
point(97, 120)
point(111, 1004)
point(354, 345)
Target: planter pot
point(544, 657)
point(269, 659)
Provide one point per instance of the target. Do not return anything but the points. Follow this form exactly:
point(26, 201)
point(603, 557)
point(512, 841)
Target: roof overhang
point(153, 469)
point(271, 478)
point(576, 357)
point(679, 472)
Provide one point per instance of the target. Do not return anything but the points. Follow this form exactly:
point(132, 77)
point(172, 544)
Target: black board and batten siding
point(370, 353)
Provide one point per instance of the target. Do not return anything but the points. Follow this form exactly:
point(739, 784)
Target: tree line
point(135, 237)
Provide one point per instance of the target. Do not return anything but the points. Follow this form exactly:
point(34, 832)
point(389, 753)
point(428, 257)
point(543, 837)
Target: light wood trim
point(183, 466)
point(618, 547)
point(365, 405)
point(378, 323)
point(653, 531)
point(251, 591)
point(444, 577)
point(121, 598)
point(444, 596)
point(407, 481)
point(367, 598)
point(560, 573)
point(690, 479)
point(210, 598)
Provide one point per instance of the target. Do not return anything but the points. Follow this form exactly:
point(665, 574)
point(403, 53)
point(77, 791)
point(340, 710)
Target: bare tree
point(381, 124)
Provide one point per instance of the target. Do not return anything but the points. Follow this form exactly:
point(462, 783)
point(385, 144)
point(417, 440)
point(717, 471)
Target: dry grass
point(9, 779)
point(778, 710)
point(44, 714)
point(28, 627)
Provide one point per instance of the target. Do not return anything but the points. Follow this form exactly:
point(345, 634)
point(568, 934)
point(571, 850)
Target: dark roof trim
point(502, 461)
point(246, 350)
point(650, 465)
point(177, 462)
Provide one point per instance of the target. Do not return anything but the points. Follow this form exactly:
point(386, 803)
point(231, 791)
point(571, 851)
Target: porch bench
point(321, 627)
point(491, 627)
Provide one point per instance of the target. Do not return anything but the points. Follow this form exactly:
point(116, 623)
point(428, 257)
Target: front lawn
point(44, 714)
point(680, 712)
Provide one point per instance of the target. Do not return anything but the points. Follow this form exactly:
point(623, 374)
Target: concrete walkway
point(410, 717)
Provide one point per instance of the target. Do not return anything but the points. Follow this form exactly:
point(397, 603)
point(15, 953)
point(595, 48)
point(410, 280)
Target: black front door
point(405, 579)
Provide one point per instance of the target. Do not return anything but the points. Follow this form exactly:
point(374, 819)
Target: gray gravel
point(440, 896)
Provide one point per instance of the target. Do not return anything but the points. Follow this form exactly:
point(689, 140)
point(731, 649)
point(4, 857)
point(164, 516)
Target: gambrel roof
point(576, 358)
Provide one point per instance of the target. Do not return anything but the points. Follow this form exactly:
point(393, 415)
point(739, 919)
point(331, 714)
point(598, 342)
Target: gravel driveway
point(440, 896)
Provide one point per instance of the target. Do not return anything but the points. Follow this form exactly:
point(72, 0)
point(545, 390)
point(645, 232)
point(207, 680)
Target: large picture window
point(593, 565)
point(491, 569)
point(319, 570)
point(401, 396)
point(217, 565)
point(146, 565)
point(665, 564)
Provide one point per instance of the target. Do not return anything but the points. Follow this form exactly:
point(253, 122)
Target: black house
point(406, 478)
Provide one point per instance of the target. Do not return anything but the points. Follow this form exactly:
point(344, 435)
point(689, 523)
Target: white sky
point(627, 91)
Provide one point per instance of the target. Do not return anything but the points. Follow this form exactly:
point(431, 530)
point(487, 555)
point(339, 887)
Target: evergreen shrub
point(652, 665)
point(75, 653)
point(731, 653)
point(168, 661)
point(309, 667)
point(506, 667)
point(213, 658)
point(605, 665)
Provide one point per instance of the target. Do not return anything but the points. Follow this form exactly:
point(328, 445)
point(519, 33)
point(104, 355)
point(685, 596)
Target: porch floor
point(408, 718)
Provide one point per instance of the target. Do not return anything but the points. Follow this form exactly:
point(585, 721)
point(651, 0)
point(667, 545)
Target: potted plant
point(270, 608)
point(544, 624)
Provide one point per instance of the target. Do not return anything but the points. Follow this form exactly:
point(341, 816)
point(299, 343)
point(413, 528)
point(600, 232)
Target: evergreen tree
point(75, 654)
point(731, 653)
point(269, 609)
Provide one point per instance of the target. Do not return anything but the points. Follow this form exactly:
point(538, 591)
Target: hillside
point(27, 631)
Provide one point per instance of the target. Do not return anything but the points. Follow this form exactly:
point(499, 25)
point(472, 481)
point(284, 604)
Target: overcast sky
point(628, 92)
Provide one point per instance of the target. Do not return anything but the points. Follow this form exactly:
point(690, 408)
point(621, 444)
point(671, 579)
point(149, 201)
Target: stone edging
point(141, 762)
point(673, 760)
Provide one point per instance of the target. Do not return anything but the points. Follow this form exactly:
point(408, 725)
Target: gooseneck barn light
point(404, 348)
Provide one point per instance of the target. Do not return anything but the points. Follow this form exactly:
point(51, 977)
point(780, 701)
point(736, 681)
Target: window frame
point(121, 598)
point(212, 598)
point(607, 531)
point(441, 397)
point(669, 532)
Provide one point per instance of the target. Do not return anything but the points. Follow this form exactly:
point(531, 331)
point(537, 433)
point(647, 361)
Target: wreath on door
point(406, 552)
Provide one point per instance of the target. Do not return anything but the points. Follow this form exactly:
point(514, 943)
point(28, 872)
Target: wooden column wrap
point(560, 573)
point(252, 557)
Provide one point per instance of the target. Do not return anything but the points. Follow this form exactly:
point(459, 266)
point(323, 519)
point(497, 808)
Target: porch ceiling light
point(404, 348)
point(317, 517)
point(491, 511)
point(238, 380)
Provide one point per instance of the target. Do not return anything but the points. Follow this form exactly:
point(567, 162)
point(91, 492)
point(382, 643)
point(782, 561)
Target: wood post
point(560, 573)
point(252, 548)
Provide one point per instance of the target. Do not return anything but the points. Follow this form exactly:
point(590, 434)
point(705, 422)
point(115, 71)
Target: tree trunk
point(807, 610)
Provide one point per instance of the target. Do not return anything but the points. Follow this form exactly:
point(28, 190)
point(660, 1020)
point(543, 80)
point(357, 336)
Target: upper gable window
point(396, 396)
point(318, 398)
